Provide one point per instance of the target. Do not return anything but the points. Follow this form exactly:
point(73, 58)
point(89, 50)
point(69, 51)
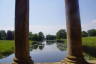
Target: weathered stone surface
point(75, 53)
point(22, 33)
point(90, 61)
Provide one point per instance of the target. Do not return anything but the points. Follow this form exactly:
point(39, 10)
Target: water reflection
point(40, 45)
point(36, 45)
point(46, 51)
point(50, 42)
point(61, 46)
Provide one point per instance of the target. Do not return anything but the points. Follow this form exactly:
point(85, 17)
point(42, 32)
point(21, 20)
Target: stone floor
point(36, 63)
point(91, 61)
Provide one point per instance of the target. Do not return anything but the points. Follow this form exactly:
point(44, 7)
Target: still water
point(47, 51)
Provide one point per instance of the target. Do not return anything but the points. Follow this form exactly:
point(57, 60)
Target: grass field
point(89, 41)
point(6, 47)
point(89, 46)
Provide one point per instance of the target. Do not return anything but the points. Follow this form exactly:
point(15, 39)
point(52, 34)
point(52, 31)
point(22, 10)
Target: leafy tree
point(92, 32)
point(35, 37)
point(30, 35)
point(10, 35)
point(84, 34)
point(41, 36)
point(61, 34)
point(2, 35)
point(50, 37)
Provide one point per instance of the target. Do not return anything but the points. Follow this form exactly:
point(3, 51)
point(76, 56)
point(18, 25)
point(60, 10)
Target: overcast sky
point(47, 16)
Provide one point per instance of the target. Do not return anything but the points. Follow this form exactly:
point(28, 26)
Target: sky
point(47, 16)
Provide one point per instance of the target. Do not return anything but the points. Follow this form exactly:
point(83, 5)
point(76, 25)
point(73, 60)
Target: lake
point(47, 51)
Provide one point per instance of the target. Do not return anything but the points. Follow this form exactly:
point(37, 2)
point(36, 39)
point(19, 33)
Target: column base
point(74, 60)
point(23, 61)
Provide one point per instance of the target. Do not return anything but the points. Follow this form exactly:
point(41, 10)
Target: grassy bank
point(89, 47)
point(89, 41)
point(6, 47)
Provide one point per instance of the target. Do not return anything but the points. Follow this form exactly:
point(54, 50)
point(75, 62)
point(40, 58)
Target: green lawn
point(6, 47)
point(89, 47)
point(89, 41)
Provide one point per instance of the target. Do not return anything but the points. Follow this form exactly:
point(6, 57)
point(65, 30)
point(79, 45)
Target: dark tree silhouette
point(92, 32)
point(84, 34)
point(2, 35)
point(61, 34)
point(10, 35)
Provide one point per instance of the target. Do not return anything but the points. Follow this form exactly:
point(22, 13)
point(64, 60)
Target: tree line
point(9, 35)
point(61, 34)
point(91, 32)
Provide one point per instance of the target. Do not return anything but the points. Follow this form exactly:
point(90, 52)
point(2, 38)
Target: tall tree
point(35, 37)
point(61, 34)
point(30, 35)
point(2, 35)
point(50, 37)
point(41, 36)
point(92, 32)
point(84, 34)
point(10, 35)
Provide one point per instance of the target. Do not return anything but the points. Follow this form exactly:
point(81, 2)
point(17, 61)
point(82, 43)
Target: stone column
point(75, 53)
point(21, 33)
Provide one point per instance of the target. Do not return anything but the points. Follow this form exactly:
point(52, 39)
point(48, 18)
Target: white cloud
point(46, 29)
point(51, 29)
point(6, 28)
point(89, 25)
point(37, 28)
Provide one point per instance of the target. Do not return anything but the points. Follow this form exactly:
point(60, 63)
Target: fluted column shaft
point(75, 53)
point(73, 28)
point(22, 32)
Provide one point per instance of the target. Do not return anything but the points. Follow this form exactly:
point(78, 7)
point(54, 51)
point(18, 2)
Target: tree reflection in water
point(36, 45)
point(41, 46)
point(61, 45)
point(50, 42)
